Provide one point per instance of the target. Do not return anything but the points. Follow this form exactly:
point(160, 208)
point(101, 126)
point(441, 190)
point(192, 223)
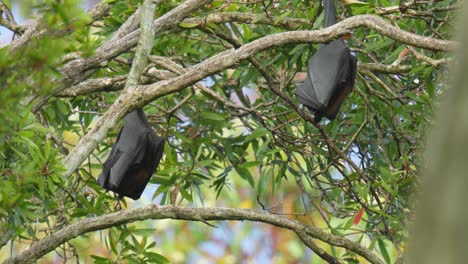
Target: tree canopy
point(219, 86)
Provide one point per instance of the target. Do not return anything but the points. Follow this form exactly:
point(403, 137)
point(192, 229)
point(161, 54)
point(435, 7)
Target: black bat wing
point(306, 94)
point(144, 167)
point(325, 71)
point(330, 75)
point(345, 80)
point(134, 157)
point(113, 157)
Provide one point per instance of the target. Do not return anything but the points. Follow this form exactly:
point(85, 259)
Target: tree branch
point(9, 21)
point(117, 82)
point(145, 44)
point(147, 93)
point(78, 70)
point(34, 31)
point(225, 17)
point(204, 214)
point(176, 15)
point(118, 46)
point(113, 48)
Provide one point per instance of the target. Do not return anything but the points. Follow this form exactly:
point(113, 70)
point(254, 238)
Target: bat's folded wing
point(326, 66)
point(330, 69)
point(134, 157)
point(134, 185)
point(124, 154)
point(305, 94)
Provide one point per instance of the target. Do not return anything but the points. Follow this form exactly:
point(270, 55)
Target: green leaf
point(264, 180)
point(258, 18)
point(7, 3)
point(112, 244)
point(282, 16)
point(51, 185)
point(156, 258)
point(188, 25)
point(246, 175)
point(383, 250)
point(257, 133)
point(212, 116)
point(187, 196)
point(348, 224)
point(100, 260)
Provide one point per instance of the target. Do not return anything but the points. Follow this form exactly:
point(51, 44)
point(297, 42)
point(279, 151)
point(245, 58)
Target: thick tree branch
point(204, 214)
point(94, 85)
point(114, 48)
point(176, 15)
point(113, 83)
point(117, 82)
point(73, 71)
point(148, 93)
point(34, 31)
point(383, 68)
point(439, 230)
point(145, 44)
point(80, 69)
point(131, 24)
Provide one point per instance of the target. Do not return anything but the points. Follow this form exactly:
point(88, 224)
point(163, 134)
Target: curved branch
point(309, 242)
point(34, 31)
point(73, 70)
point(9, 21)
point(428, 60)
point(51, 242)
point(147, 93)
point(230, 57)
point(175, 16)
point(118, 46)
point(108, 84)
point(80, 69)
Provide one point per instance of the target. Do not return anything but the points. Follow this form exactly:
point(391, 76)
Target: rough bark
point(440, 228)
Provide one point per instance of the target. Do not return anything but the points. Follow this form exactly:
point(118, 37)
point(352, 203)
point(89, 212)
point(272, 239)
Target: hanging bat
point(331, 74)
point(134, 157)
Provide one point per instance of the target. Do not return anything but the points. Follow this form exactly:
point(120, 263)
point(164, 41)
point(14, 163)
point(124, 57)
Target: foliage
point(219, 155)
